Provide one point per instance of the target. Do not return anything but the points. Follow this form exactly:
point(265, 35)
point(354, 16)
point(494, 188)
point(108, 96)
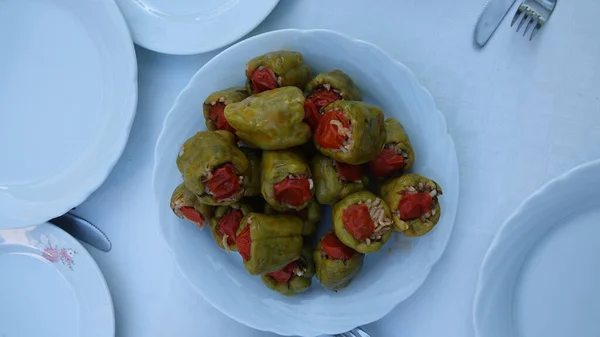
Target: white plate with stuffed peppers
point(322, 173)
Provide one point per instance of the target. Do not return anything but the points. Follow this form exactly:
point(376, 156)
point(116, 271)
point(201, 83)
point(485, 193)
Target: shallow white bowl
point(389, 276)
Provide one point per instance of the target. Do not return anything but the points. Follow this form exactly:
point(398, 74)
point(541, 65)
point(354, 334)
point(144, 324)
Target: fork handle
point(357, 332)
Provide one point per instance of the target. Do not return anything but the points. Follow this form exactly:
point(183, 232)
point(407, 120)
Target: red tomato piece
point(229, 225)
point(311, 113)
point(357, 221)
point(319, 99)
point(292, 191)
point(414, 205)
point(217, 115)
point(323, 97)
point(224, 182)
point(388, 162)
point(334, 248)
point(244, 243)
point(262, 80)
point(348, 172)
point(327, 134)
point(192, 214)
point(285, 274)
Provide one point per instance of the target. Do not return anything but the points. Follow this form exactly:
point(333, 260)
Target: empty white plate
point(541, 274)
point(51, 286)
point(68, 94)
point(184, 27)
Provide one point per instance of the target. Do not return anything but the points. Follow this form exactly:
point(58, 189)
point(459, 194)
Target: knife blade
point(83, 230)
point(493, 13)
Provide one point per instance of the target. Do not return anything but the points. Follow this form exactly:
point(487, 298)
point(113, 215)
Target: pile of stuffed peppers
point(279, 149)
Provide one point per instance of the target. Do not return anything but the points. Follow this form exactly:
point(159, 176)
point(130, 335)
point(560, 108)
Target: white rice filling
point(225, 244)
point(399, 151)
point(344, 132)
point(383, 223)
point(221, 99)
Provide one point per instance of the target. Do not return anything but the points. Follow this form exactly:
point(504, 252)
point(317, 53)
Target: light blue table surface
point(520, 113)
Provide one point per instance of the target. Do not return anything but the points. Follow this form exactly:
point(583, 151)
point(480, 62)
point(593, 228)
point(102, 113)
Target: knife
point(83, 230)
point(493, 13)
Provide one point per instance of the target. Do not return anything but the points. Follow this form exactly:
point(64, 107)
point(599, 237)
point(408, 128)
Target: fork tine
point(532, 18)
point(525, 19)
point(517, 15)
point(536, 27)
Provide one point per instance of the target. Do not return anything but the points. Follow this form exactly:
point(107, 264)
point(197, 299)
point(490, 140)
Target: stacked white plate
point(68, 95)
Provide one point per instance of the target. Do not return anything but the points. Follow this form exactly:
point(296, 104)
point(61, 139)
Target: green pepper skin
point(338, 80)
point(397, 137)
point(296, 284)
point(368, 132)
point(271, 120)
point(204, 152)
point(345, 236)
point(252, 176)
point(392, 191)
point(183, 197)
point(288, 66)
point(276, 240)
point(329, 188)
point(227, 96)
point(313, 216)
point(220, 212)
point(275, 167)
point(336, 274)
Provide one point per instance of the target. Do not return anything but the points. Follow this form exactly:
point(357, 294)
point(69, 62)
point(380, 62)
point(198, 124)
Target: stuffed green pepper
point(277, 69)
point(334, 180)
point(362, 221)
point(225, 223)
point(336, 265)
point(268, 243)
point(311, 215)
point(325, 89)
point(272, 120)
point(252, 176)
point(294, 278)
point(351, 132)
point(413, 200)
point(397, 155)
point(214, 107)
point(213, 167)
point(286, 180)
point(186, 205)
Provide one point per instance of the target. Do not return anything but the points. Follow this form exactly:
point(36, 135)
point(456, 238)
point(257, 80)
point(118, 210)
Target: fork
point(357, 332)
point(535, 13)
